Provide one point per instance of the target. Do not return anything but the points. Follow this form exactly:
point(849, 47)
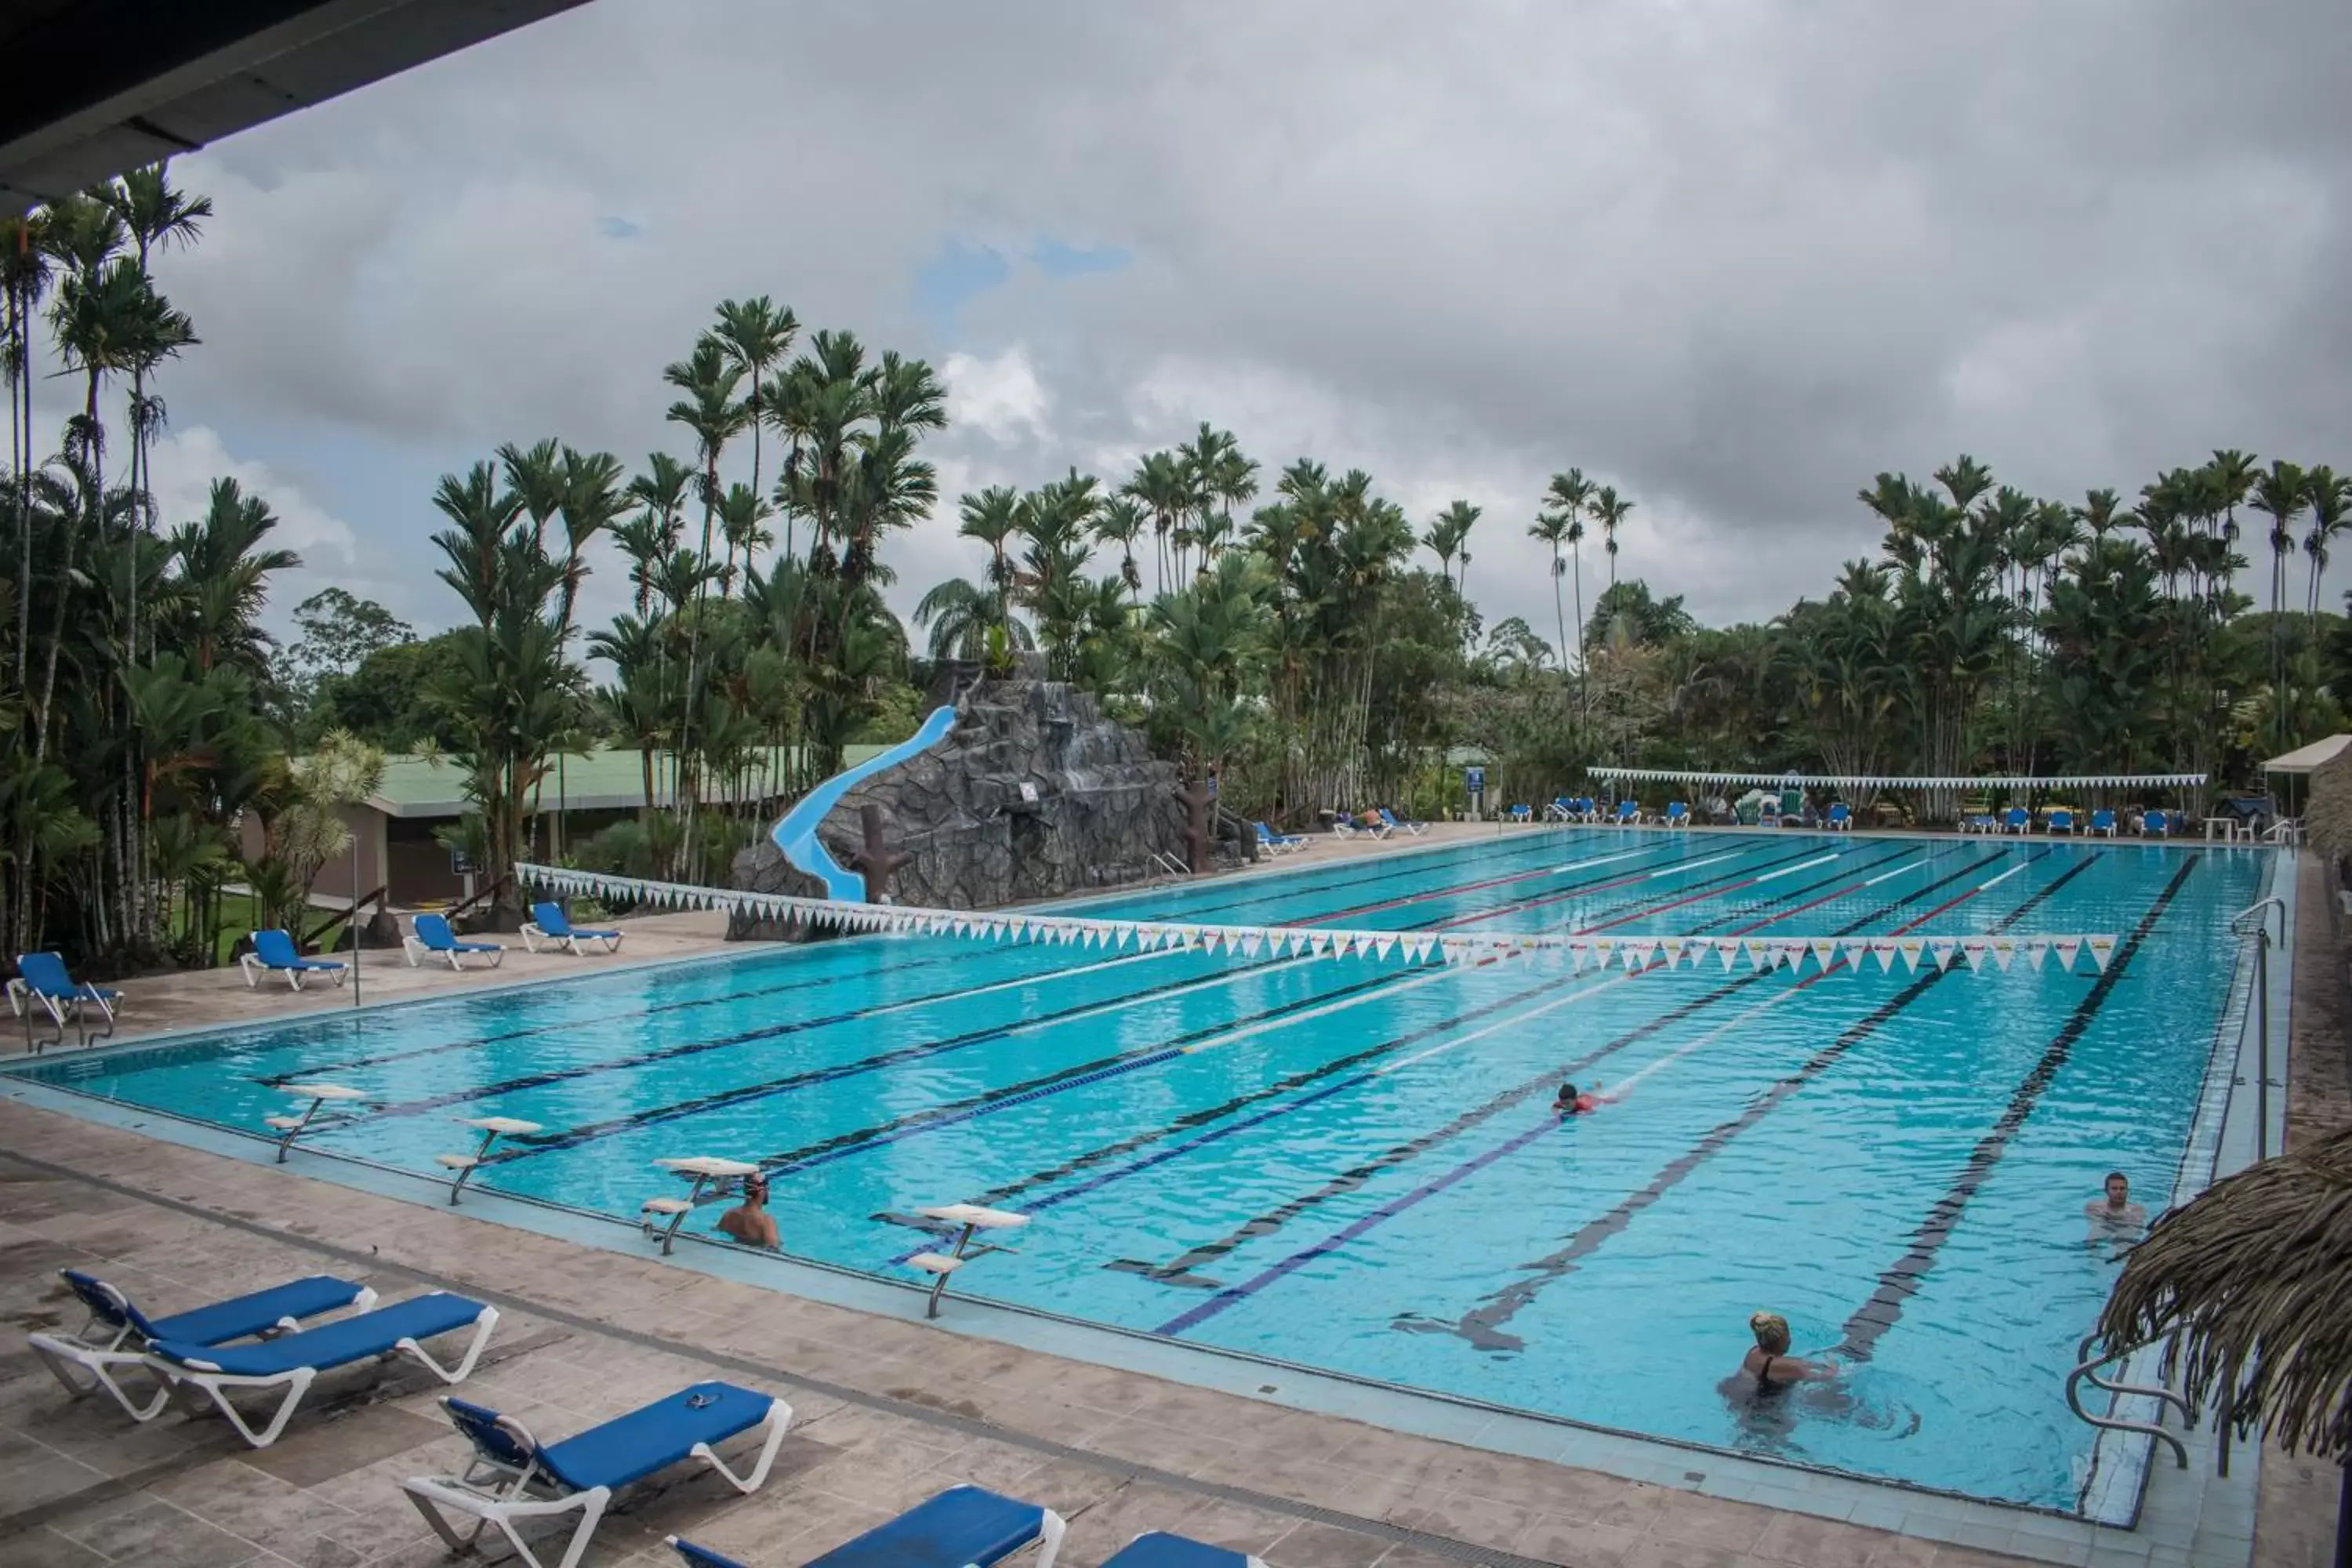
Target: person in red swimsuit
point(1574, 1104)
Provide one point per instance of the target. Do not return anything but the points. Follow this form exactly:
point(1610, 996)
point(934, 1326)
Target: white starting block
point(492, 1129)
point(320, 1096)
point(972, 1219)
point(712, 1177)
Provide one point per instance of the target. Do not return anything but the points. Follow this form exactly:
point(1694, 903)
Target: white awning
point(2302, 759)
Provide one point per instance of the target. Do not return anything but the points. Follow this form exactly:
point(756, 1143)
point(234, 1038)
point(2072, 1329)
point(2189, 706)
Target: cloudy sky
point(1734, 259)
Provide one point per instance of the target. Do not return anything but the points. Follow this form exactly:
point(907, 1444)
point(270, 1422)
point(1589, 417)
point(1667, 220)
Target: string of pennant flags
point(1878, 781)
point(1793, 954)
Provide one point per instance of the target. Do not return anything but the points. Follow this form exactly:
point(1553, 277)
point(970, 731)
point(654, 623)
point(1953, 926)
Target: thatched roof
point(2256, 1275)
point(2328, 819)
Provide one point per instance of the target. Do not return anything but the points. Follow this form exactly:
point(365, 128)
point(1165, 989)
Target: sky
point(1734, 259)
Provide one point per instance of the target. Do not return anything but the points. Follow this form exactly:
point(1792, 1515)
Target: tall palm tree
point(1566, 500)
point(1449, 531)
point(1161, 484)
point(993, 517)
point(157, 216)
point(755, 335)
point(2330, 499)
point(2280, 494)
point(1610, 512)
point(23, 279)
point(709, 410)
point(1120, 521)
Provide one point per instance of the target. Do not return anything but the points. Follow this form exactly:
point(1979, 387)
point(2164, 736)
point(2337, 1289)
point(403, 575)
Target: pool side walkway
point(887, 1411)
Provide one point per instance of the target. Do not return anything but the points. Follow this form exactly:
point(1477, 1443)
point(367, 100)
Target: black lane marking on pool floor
point(953, 1113)
point(523, 1146)
point(1282, 1086)
point(1482, 1325)
point(1181, 1269)
point(1901, 1281)
point(1635, 908)
point(274, 1080)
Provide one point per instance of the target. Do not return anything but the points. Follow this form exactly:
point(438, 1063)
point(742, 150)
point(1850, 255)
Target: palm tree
point(1449, 531)
point(2280, 494)
point(23, 279)
point(993, 517)
point(157, 216)
point(2330, 499)
point(1563, 523)
point(1161, 487)
point(755, 335)
point(1609, 512)
point(961, 617)
point(709, 410)
point(1120, 521)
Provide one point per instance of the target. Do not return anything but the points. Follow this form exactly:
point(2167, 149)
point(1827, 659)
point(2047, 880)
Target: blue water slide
point(796, 834)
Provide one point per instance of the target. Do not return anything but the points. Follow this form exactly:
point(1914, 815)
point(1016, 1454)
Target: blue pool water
point(1352, 1164)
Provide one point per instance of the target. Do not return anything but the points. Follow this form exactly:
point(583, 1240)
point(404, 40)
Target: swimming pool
point(1352, 1164)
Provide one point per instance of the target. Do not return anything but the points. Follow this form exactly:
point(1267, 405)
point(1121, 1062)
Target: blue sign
point(1475, 778)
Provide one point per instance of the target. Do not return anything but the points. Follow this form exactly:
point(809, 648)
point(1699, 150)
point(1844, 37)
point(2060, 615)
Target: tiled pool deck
point(1303, 1470)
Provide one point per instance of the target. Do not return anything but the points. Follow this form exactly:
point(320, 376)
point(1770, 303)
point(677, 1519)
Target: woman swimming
point(1769, 1364)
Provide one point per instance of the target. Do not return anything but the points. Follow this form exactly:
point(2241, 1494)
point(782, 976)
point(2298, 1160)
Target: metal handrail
point(2260, 931)
point(2088, 1372)
point(2263, 908)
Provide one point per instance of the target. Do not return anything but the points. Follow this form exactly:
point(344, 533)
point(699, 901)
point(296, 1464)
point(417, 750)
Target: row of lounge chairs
point(1378, 823)
point(512, 1480)
point(44, 988)
point(2061, 819)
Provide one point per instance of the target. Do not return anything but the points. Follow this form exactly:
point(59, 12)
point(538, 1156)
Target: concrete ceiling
point(92, 87)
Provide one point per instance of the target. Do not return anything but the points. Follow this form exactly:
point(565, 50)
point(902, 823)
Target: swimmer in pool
point(1770, 1369)
point(2117, 1215)
point(1573, 1103)
point(750, 1221)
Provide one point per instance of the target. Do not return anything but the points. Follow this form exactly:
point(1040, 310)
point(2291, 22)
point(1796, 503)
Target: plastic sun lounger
point(2017, 819)
point(2061, 821)
point(963, 1527)
point(512, 1478)
point(1396, 826)
point(1277, 843)
point(294, 1361)
point(2103, 821)
point(274, 952)
point(1561, 809)
point(548, 924)
point(433, 937)
point(2155, 825)
point(1677, 814)
point(1629, 812)
point(118, 1333)
point(1841, 817)
point(1523, 814)
point(42, 981)
point(1157, 1549)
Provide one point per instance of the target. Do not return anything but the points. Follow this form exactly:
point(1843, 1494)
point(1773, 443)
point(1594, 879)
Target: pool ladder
point(2088, 1372)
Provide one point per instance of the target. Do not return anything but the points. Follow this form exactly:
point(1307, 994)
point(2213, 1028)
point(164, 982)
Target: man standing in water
point(749, 1222)
point(2115, 1218)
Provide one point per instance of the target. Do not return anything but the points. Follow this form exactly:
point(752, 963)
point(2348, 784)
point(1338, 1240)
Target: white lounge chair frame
point(252, 968)
point(501, 1497)
point(100, 1356)
point(205, 1377)
point(22, 999)
point(533, 933)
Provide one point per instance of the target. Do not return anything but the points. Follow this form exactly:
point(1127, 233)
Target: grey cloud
point(1733, 257)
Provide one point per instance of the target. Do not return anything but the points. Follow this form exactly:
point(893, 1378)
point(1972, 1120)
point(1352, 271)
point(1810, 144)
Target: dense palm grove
point(1281, 628)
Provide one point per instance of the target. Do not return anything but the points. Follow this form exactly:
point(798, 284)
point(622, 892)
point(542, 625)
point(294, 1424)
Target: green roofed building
point(583, 792)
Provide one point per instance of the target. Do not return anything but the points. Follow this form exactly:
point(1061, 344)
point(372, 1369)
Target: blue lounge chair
point(2155, 825)
point(1523, 814)
point(1275, 843)
point(431, 937)
point(548, 924)
point(43, 984)
point(118, 1333)
point(1677, 814)
point(512, 1478)
point(2016, 820)
point(274, 952)
point(1629, 812)
point(1395, 824)
point(1841, 817)
point(2061, 821)
point(963, 1527)
point(1158, 1549)
point(293, 1361)
point(2104, 821)
point(1561, 809)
